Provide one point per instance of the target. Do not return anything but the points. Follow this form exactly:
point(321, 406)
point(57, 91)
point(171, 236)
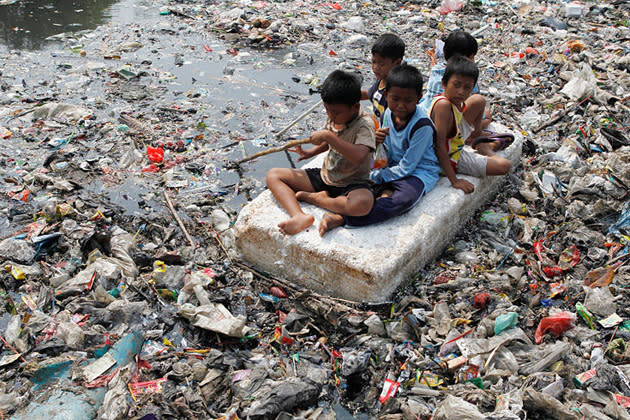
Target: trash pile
point(123, 295)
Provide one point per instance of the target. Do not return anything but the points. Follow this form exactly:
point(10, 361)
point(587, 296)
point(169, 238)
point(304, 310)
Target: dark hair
point(389, 46)
point(460, 42)
point(341, 87)
point(461, 65)
point(404, 76)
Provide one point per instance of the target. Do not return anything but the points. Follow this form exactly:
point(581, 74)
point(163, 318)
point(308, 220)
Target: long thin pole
point(274, 149)
point(295, 121)
point(179, 221)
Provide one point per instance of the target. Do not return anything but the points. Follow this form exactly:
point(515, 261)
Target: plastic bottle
point(64, 273)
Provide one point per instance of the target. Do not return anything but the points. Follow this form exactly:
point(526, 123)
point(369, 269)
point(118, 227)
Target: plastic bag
point(555, 324)
point(450, 6)
point(155, 154)
point(504, 322)
point(380, 157)
point(581, 85)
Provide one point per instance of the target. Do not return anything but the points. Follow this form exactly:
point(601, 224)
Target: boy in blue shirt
point(387, 52)
point(413, 168)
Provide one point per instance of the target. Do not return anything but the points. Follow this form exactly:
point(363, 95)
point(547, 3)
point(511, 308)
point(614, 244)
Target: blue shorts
point(406, 192)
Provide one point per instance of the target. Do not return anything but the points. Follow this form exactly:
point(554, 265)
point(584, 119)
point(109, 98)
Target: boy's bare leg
point(497, 165)
point(357, 203)
point(330, 221)
point(475, 107)
point(315, 198)
point(283, 183)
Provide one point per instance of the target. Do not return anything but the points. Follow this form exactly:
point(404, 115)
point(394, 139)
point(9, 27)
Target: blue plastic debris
point(74, 402)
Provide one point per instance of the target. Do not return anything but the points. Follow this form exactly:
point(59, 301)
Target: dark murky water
point(28, 24)
point(251, 99)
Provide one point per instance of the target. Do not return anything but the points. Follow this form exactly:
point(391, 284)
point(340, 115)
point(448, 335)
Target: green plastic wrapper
point(586, 315)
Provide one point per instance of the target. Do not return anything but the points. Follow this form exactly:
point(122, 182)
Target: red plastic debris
point(155, 154)
point(444, 277)
point(481, 300)
point(152, 168)
point(568, 259)
point(278, 292)
point(281, 316)
point(279, 337)
point(555, 324)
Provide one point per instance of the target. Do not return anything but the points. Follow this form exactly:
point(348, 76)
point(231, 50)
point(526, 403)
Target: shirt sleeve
point(365, 135)
point(422, 138)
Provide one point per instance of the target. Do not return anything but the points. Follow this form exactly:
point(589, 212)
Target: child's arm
point(418, 144)
point(354, 153)
point(307, 154)
point(365, 94)
point(444, 121)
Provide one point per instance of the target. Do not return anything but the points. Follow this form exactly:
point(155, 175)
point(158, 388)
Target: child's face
point(458, 88)
point(342, 113)
point(402, 102)
point(382, 65)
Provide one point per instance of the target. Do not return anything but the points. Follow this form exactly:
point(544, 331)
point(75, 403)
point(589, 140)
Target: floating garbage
point(123, 295)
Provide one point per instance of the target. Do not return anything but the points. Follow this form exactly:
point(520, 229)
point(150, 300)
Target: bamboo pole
point(274, 150)
point(295, 121)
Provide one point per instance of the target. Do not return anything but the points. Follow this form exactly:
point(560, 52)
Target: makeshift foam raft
point(366, 263)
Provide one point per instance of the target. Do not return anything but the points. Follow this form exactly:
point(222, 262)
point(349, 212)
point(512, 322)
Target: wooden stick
point(274, 150)
point(14, 350)
point(559, 117)
point(295, 121)
point(179, 221)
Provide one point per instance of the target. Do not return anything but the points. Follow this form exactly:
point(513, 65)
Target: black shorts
point(314, 175)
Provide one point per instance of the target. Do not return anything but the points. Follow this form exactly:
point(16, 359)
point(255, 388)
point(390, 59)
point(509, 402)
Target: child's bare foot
point(315, 198)
point(490, 144)
point(329, 222)
point(487, 149)
point(296, 224)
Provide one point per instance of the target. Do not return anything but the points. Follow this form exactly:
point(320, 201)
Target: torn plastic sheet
point(471, 347)
point(457, 408)
point(215, 317)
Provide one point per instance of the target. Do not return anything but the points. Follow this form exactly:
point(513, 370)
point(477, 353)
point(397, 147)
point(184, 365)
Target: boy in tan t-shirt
point(349, 138)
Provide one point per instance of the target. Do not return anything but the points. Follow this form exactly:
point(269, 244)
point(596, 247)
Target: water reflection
point(27, 24)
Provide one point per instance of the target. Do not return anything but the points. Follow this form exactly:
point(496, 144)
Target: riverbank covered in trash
point(123, 295)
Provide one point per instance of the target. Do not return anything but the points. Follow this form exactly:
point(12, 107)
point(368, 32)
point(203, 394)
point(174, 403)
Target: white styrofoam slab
point(366, 263)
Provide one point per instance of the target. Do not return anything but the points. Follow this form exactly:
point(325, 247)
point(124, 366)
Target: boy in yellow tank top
point(451, 118)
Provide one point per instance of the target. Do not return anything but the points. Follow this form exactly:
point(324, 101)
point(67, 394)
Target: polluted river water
point(473, 334)
point(48, 38)
point(241, 97)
